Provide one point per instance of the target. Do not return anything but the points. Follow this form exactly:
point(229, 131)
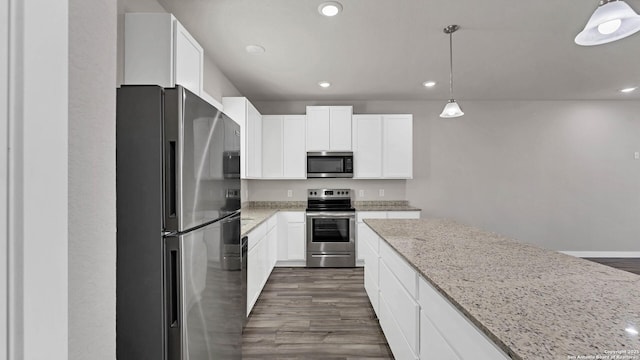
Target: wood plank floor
point(626, 264)
point(314, 314)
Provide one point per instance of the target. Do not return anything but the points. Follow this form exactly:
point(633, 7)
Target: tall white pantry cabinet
point(158, 50)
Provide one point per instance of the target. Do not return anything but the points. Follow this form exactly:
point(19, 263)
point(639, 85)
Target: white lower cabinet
point(432, 345)
point(398, 344)
point(416, 319)
point(401, 304)
point(261, 258)
point(466, 340)
point(291, 238)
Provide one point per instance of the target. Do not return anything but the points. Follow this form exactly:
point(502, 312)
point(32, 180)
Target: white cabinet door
point(367, 146)
point(318, 128)
point(254, 144)
point(272, 243)
point(329, 128)
point(254, 274)
point(340, 128)
point(291, 238)
point(296, 241)
point(404, 308)
point(158, 50)
point(294, 147)
point(272, 146)
point(397, 145)
point(247, 116)
point(188, 60)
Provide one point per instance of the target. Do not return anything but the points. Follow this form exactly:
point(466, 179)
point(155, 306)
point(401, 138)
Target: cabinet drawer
point(398, 344)
point(432, 345)
point(458, 331)
point(293, 216)
point(256, 235)
point(403, 271)
point(403, 307)
point(272, 222)
point(361, 215)
point(371, 264)
point(371, 286)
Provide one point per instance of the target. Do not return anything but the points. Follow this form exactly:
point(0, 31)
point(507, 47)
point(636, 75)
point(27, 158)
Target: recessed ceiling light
point(429, 84)
point(330, 8)
point(324, 84)
point(254, 49)
point(629, 89)
point(631, 330)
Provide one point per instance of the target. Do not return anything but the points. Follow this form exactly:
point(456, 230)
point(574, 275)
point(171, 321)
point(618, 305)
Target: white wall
point(4, 174)
point(37, 178)
point(559, 174)
point(215, 84)
point(92, 197)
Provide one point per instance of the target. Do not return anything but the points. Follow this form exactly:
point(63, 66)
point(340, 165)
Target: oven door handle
point(330, 214)
point(331, 255)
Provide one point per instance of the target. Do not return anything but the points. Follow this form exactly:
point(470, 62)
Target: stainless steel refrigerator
point(179, 254)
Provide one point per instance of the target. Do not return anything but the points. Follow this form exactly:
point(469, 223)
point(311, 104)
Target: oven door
point(330, 232)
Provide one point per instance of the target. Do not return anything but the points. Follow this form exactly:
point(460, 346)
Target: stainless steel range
point(331, 224)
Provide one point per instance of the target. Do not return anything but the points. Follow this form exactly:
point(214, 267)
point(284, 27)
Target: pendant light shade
point(612, 20)
point(452, 109)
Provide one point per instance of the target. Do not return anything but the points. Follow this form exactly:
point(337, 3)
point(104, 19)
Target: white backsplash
point(277, 190)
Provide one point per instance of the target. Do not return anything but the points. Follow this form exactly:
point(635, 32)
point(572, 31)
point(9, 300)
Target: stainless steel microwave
point(327, 164)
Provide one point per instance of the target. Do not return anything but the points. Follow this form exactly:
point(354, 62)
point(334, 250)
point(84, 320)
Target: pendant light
point(452, 109)
point(612, 20)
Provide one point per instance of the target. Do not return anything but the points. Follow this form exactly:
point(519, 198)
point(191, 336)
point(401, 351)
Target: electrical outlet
point(381, 192)
point(361, 193)
point(289, 193)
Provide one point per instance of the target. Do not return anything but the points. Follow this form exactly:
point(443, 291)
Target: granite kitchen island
point(531, 303)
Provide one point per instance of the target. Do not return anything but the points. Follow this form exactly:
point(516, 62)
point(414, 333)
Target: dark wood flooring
point(626, 264)
point(314, 314)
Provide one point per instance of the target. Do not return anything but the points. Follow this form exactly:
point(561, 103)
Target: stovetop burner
point(329, 200)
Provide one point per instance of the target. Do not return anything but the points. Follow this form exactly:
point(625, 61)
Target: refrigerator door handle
point(173, 299)
point(174, 292)
point(172, 196)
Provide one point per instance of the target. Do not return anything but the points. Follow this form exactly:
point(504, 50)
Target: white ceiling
point(385, 49)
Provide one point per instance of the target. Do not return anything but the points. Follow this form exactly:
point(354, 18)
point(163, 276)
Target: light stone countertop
point(533, 303)
point(255, 213)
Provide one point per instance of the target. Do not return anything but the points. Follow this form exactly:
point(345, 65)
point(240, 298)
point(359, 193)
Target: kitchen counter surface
point(384, 206)
point(533, 303)
point(256, 213)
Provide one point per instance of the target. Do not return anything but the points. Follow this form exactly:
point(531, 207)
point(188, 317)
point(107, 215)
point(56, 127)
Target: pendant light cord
point(451, 65)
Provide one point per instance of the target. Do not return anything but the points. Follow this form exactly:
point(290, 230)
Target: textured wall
point(92, 198)
point(559, 174)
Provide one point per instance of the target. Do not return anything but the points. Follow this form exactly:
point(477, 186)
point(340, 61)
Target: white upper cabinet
point(383, 146)
point(247, 116)
point(158, 50)
point(283, 147)
point(367, 146)
point(397, 145)
point(329, 128)
point(294, 155)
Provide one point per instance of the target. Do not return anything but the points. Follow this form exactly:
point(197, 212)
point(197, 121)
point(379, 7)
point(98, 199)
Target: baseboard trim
point(291, 263)
point(603, 254)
